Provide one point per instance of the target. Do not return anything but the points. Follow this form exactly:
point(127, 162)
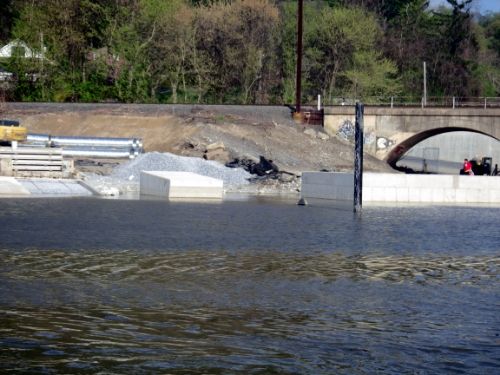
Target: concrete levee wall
point(409, 188)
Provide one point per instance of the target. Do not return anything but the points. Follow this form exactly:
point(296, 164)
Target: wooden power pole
point(298, 93)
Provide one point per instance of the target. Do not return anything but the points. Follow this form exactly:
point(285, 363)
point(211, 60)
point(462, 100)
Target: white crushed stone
point(126, 177)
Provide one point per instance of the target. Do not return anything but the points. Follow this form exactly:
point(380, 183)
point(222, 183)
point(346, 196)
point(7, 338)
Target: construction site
point(92, 144)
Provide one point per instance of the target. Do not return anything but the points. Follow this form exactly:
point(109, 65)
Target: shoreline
point(244, 194)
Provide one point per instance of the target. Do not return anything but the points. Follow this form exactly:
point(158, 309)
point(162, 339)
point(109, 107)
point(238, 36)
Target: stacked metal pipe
point(89, 147)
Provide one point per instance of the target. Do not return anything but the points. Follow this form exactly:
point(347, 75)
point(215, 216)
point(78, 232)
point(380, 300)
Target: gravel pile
point(125, 178)
point(155, 161)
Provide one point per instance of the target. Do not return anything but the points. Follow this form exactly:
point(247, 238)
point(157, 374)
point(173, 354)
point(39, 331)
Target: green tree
point(451, 51)
point(487, 70)
point(64, 32)
point(238, 38)
point(405, 43)
point(343, 58)
point(287, 49)
point(7, 18)
point(244, 51)
point(171, 51)
point(491, 26)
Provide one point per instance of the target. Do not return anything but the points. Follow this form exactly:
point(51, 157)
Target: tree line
point(244, 51)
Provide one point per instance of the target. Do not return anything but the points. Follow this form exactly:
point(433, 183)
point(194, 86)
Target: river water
point(258, 286)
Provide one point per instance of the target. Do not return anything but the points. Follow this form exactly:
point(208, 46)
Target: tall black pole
point(299, 57)
point(358, 158)
point(425, 85)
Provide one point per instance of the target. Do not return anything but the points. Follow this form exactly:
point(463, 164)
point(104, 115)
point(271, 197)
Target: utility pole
point(425, 85)
point(299, 60)
point(42, 57)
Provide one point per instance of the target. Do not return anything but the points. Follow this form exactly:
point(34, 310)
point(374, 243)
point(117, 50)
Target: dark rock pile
point(264, 167)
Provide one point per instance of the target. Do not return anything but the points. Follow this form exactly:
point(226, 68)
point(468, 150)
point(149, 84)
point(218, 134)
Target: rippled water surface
point(247, 287)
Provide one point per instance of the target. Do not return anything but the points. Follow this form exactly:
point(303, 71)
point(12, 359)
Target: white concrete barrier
point(327, 185)
point(9, 186)
point(394, 187)
point(180, 185)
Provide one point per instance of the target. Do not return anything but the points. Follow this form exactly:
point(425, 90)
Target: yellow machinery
point(11, 131)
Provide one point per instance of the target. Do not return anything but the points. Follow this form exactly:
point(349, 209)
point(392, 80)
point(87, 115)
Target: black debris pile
point(263, 168)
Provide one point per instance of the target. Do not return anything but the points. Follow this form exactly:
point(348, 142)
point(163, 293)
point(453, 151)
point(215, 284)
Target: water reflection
point(320, 298)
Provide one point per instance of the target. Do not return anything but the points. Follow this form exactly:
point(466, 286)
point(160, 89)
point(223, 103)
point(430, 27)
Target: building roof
point(7, 50)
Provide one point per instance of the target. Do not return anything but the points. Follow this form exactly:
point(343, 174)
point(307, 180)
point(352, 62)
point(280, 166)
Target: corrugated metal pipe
point(92, 147)
point(99, 154)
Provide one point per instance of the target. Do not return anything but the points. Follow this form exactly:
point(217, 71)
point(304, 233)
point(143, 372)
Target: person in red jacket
point(468, 167)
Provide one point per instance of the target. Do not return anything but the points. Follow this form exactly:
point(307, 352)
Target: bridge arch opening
point(401, 151)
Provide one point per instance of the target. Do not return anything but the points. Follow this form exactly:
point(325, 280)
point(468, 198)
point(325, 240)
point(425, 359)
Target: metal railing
point(429, 102)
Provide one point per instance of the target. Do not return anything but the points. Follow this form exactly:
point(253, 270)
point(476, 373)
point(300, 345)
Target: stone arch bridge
point(391, 132)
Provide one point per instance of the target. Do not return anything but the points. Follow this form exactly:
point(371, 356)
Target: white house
point(19, 48)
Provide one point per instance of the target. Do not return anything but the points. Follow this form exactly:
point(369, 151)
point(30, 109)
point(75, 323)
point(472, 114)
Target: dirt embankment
point(245, 132)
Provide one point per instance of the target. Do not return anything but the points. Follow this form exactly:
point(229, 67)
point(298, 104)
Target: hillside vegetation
point(243, 51)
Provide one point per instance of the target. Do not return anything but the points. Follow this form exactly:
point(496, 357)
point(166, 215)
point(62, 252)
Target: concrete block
point(493, 182)
point(449, 195)
point(402, 194)
point(390, 194)
point(473, 182)
point(429, 181)
point(180, 185)
point(328, 178)
point(413, 195)
point(327, 192)
point(344, 180)
point(478, 182)
point(495, 195)
point(383, 179)
point(9, 186)
point(367, 194)
point(381, 194)
point(461, 195)
point(327, 185)
point(426, 194)
point(377, 194)
point(473, 196)
point(484, 196)
point(438, 195)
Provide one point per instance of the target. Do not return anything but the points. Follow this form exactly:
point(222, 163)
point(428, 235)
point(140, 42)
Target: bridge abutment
point(390, 132)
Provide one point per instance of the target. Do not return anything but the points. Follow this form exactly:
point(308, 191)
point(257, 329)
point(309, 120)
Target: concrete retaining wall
point(388, 187)
point(180, 185)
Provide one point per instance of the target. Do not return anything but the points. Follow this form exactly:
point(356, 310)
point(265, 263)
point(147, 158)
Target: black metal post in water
point(298, 80)
point(358, 158)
